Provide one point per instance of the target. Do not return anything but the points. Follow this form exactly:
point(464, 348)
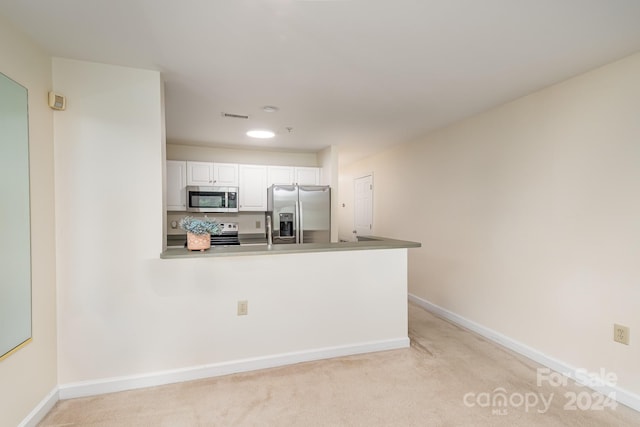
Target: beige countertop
point(365, 243)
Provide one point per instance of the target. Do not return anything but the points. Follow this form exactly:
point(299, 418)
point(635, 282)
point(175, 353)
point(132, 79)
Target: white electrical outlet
point(243, 308)
point(621, 334)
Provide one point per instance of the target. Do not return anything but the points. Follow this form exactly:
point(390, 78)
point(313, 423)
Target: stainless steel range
point(228, 237)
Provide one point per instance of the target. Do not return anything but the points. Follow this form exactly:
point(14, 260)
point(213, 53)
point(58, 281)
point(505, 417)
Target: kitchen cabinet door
point(307, 176)
point(200, 173)
point(283, 175)
point(253, 188)
point(225, 174)
point(176, 195)
point(287, 175)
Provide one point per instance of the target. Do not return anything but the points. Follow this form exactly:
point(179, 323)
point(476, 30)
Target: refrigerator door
point(282, 201)
point(315, 213)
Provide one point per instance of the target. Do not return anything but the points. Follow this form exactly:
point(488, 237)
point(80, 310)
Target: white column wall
point(108, 152)
point(328, 160)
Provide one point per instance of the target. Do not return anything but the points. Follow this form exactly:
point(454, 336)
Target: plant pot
point(198, 242)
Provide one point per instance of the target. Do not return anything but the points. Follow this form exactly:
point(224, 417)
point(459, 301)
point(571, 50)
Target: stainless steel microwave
point(212, 199)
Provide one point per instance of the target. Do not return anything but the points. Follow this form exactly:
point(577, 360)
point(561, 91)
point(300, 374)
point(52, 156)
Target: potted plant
point(199, 231)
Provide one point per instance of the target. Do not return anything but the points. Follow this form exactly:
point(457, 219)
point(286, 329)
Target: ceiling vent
point(235, 116)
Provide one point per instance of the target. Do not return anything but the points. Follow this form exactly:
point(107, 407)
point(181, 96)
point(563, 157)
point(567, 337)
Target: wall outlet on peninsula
point(243, 308)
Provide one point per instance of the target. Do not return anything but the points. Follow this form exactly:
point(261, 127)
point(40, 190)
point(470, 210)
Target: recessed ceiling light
point(269, 109)
point(262, 134)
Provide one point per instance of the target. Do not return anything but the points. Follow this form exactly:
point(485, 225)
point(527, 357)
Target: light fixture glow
point(262, 134)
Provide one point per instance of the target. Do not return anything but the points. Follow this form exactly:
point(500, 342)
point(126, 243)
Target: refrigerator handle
point(301, 223)
point(269, 232)
point(297, 222)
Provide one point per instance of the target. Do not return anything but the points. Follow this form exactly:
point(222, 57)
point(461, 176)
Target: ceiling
point(358, 74)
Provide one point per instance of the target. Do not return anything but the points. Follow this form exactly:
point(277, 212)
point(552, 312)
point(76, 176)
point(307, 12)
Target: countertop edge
point(370, 243)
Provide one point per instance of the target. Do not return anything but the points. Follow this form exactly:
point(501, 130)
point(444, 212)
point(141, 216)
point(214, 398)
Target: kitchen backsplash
point(248, 222)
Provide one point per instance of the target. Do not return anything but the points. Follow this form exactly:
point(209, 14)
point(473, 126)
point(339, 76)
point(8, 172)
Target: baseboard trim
point(110, 385)
point(623, 396)
point(41, 410)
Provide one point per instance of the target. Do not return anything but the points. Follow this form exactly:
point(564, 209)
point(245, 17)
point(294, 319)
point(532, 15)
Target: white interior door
point(363, 205)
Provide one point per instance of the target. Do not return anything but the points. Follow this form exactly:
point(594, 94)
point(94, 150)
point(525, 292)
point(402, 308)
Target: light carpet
point(448, 377)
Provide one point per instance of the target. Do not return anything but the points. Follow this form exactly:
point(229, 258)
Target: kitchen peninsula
point(303, 302)
point(367, 243)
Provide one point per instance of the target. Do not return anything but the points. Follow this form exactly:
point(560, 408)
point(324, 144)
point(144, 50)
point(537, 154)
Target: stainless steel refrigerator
point(299, 213)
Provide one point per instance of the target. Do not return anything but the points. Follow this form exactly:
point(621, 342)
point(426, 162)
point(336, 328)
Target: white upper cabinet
point(252, 181)
point(176, 185)
point(225, 174)
point(280, 175)
point(210, 174)
point(253, 188)
point(293, 175)
point(199, 173)
point(307, 176)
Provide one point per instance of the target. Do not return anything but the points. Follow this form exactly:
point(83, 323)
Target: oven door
point(207, 199)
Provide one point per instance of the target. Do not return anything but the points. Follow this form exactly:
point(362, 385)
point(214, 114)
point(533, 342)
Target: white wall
point(529, 217)
point(328, 161)
point(124, 312)
point(234, 155)
point(30, 374)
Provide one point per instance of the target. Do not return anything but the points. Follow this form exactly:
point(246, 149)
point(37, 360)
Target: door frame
point(355, 203)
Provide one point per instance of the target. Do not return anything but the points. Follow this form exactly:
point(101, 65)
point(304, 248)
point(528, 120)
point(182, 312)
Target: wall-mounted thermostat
point(57, 101)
